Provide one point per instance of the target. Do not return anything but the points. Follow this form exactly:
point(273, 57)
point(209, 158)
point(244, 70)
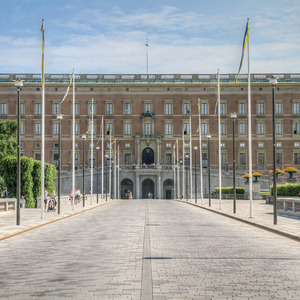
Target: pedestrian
point(4, 194)
point(53, 198)
point(77, 195)
point(22, 202)
point(71, 197)
point(45, 197)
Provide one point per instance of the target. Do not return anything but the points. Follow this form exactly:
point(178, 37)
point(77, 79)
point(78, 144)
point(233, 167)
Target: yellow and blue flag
point(147, 43)
point(91, 111)
point(43, 52)
point(67, 92)
point(246, 36)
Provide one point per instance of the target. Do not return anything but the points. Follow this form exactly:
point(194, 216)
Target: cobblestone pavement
point(149, 249)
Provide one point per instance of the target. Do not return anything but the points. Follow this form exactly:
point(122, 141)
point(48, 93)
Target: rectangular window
point(168, 128)
point(76, 160)
point(296, 144)
point(56, 107)
point(37, 129)
point(242, 108)
point(38, 156)
point(148, 128)
point(296, 128)
point(22, 129)
point(77, 109)
point(260, 108)
point(261, 145)
point(242, 145)
point(127, 159)
point(204, 108)
point(186, 128)
point(127, 145)
point(243, 159)
point(127, 109)
point(127, 128)
point(37, 108)
point(168, 145)
point(90, 160)
point(278, 108)
point(109, 108)
point(278, 129)
point(22, 108)
point(279, 158)
point(223, 109)
point(76, 129)
point(186, 108)
point(147, 107)
point(168, 159)
point(242, 128)
point(204, 128)
point(92, 129)
point(296, 158)
point(223, 128)
point(278, 145)
point(56, 128)
point(56, 159)
point(168, 108)
point(204, 159)
point(3, 108)
point(260, 128)
point(223, 158)
point(261, 158)
point(109, 128)
point(296, 108)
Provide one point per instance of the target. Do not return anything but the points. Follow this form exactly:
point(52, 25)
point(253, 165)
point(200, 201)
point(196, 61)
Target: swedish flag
point(43, 52)
point(246, 37)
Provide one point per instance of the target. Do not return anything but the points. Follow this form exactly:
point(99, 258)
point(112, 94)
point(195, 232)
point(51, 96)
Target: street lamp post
point(208, 157)
point(195, 148)
point(59, 117)
point(233, 117)
point(83, 185)
point(18, 84)
point(273, 81)
point(97, 178)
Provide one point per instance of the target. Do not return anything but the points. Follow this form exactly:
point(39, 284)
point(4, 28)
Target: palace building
point(146, 114)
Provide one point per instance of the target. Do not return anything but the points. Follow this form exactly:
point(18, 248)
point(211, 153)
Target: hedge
point(229, 190)
point(287, 189)
point(26, 181)
point(50, 174)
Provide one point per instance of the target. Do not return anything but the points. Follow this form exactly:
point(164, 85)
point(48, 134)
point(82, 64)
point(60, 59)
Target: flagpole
point(250, 131)
point(147, 45)
point(174, 172)
point(92, 150)
point(219, 132)
point(118, 172)
point(73, 143)
point(109, 166)
point(183, 167)
point(43, 126)
point(178, 178)
point(200, 148)
point(191, 163)
point(115, 170)
point(102, 160)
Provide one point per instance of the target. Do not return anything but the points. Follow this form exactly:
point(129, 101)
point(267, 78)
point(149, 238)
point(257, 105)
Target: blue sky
point(192, 36)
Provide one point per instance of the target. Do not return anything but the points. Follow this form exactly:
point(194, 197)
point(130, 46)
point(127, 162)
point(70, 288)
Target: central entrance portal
point(148, 156)
point(147, 187)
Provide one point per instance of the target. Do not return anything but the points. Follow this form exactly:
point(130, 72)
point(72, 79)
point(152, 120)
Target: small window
point(278, 108)
point(56, 108)
point(109, 108)
point(222, 109)
point(296, 145)
point(260, 108)
point(148, 108)
point(186, 108)
point(127, 128)
point(168, 145)
point(296, 108)
point(127, 145)
point(261, 145)
point(204, 108)
point(278, 145)
point(296, 158)
point(242, 145)
point(242, 108)
point(168, 108)
point(37, 108)
point(148, 128)
point(168, 129)
point(127, 109)
point(3, 108)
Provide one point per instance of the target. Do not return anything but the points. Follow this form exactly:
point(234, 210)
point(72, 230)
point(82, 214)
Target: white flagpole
point(118, 172)
point(102, 161)
point(250, 131)
point(73, 143)
point(174, 172)
point(147, 45)
point(109, 166)
point(115, 170)
point(219, 132)
point(92, 150)
point(178, 178)
point(183, 167)
point(200, 148)
point(43, 132)
point(191, 164)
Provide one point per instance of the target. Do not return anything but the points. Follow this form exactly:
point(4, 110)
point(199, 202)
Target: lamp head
point(84, 136)
point(209, 136)
point(273, 80)
point(233, 116)
point(59, 117)
point(18, 82)
point(97, 148)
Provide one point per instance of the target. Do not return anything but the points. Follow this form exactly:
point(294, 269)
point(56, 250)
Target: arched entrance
point(148, 156)
point(147, 187)
point(126, 187)
point(168, 189)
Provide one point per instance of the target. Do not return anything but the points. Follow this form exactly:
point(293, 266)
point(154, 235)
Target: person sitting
point(22, 202)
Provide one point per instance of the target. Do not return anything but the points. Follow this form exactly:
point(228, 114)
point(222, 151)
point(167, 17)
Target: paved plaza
point(148, 249)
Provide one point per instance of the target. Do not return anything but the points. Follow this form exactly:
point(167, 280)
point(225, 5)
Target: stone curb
point(49, 222)
point(267, 228)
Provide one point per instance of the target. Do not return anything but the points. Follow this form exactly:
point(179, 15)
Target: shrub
point(287, 189)
point(26, 181)
point(229, 190)
point(50, 174)
point(36, 178)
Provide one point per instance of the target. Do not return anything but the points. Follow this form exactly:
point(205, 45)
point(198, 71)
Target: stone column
point(158, 151)
point(137, 186)
point(159, 185)
point(137, 151)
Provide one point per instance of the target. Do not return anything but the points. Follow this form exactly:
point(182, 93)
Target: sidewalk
point(30, 218)
point(262, 215)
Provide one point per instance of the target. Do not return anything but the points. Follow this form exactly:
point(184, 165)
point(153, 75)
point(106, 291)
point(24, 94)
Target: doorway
point(148, 156)
point(147, 187)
